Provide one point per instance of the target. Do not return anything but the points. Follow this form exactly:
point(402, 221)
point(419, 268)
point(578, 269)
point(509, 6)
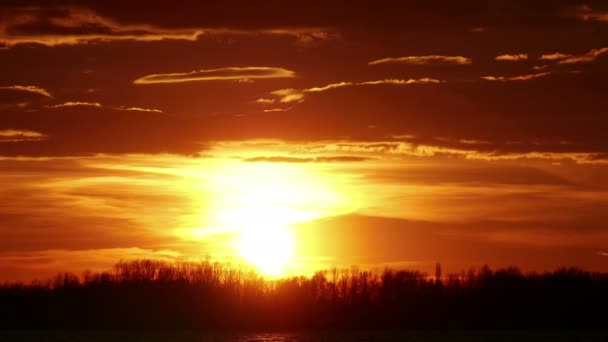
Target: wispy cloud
point(587, 57)
point(70, 104)
point(76, 104)
point(79, 25)
point(327, 159)
point(512, 58)
point(289, 95)
point(526, 77)
point(271, 110)
point(297, 95)
point(586, 13)
point(466, 151)
point(422, 60)
point(15, 135)
point(138, 109)
point(555, 56)
point(29, 89)
point(540, 67)
point(31, 25)
point(221, 74)
point(265, 101)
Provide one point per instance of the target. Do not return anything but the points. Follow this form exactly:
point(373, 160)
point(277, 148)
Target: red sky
point(379, 133)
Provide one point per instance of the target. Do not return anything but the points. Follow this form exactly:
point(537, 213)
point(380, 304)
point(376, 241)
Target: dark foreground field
point(360, 336)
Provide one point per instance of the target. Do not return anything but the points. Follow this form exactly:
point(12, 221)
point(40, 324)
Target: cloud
point(526, 77)
point(296, 95)
point(512, 58)
point(540, 67)
point(29, 89)
point(329, 159)
point(221, 74)
point(289, 95)
point(76, 104)
point(586, 13)
point(555, 56)
point(422, 60)
point(44, 264)
point(138, 109)
point(70, 26)
point(78, 25)
point(265, 101)
point(464, 149)
point(69, 104)
point(16, 135)
point(590, 56)
point(276, 110)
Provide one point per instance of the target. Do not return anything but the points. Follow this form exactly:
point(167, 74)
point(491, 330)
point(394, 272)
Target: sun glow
point(269, 250)
point(259, 203)
point(235, 209)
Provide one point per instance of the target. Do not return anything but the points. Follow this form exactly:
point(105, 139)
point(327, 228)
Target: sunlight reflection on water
point(325, 336)
point(268, 338)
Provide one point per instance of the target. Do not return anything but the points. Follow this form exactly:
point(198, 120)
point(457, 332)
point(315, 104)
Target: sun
point(269, 249)
point(252, 210)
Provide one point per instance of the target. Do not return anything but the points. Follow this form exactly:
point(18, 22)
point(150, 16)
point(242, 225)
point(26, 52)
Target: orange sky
point(377, 134)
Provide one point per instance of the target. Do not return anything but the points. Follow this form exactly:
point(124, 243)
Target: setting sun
point(268, 249)
point(258, 204)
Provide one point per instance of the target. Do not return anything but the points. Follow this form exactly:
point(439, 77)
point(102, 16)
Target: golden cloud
point(276, 110)
point(555, 56)
point(587, 57)
point(297, 95)
point(526, 77)
point(422, 60)
point(289, 95)
point(138, 109)
point(28, 89)
point(512, 58)
point(76, 104)
point(72, 26)
point(13, 135)
point(406, 148)
point(221, 74)
point(265, 101)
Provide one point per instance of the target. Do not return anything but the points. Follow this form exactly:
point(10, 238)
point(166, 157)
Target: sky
point(373, 133)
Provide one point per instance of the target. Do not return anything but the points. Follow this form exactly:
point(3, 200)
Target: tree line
point(150, 295)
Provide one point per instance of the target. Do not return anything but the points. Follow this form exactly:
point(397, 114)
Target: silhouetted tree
point(150, 294)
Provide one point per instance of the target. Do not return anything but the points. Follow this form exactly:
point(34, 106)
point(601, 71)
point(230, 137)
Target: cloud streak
point(590, 56)
point(76, 104)
point(220, 74)
point(70, 104)
point(265, 101)
point(79, 25)
point(28, 89)
point(274, 110)
point(296, 95)
point(526, 77)
point(586, 13)
point(555, 56)
point(512, 58)
point(416, 149)
point(423, 60)
point(16, 135)
point(328, 159)
point(138, 109)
